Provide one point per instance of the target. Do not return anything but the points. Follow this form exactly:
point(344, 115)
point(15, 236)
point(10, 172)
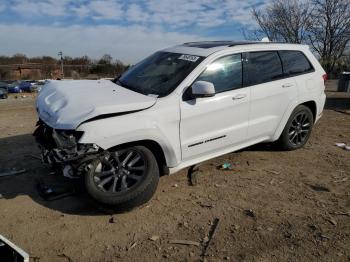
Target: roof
point(211, 44)
point(206, 48)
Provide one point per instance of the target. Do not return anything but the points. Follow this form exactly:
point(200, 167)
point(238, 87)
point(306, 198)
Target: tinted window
point(295, 62)
point(225, 73)
point(159, 74)
point(261, 67)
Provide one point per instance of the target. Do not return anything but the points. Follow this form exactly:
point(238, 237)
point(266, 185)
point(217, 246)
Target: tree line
point(324, 25)
point(19, 66)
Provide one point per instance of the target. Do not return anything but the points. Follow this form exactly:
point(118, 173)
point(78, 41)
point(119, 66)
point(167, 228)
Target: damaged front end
point(60, 149)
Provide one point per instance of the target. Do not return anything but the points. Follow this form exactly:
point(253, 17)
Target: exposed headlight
point(66, 138)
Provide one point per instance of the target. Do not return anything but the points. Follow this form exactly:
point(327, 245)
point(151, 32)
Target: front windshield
point(159, 74)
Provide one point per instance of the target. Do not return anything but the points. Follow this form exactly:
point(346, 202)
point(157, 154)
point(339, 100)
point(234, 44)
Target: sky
point(127, 30)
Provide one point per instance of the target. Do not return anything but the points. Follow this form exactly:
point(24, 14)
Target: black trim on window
point(187, 94)
point(284, 75)
point(311, 70)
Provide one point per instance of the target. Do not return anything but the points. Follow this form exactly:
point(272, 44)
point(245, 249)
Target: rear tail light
point(325, 77)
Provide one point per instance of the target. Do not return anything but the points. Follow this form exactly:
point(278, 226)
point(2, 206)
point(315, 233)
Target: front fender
point(114, 131)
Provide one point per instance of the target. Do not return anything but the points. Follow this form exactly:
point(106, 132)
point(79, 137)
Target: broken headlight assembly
point(61, 146)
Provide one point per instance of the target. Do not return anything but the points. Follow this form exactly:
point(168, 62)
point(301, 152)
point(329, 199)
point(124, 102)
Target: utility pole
point(61, 55)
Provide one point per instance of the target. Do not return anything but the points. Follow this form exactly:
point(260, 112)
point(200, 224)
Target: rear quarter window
point(295, 63)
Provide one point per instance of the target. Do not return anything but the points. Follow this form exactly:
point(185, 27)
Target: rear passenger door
point(297, 66)
point(271, 94)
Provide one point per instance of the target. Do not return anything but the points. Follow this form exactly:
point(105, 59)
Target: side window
point(295, 62)
point(225, 73)
point(261, 67)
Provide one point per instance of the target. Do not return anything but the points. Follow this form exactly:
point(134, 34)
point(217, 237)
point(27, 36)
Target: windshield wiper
point(118, 82)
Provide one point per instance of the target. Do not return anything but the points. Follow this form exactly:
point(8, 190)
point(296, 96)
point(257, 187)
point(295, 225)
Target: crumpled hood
point(66, 104)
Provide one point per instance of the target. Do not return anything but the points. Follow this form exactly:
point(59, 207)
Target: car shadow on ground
point(21, 152)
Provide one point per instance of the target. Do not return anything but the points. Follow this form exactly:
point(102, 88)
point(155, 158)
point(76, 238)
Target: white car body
point(187, 132)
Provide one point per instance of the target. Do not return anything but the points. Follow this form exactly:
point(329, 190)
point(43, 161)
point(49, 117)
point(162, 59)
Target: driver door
point(212, 124)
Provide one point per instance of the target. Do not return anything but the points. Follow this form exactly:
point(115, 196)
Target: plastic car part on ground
point(54, 192)
point(10, 252)
point(343, 145)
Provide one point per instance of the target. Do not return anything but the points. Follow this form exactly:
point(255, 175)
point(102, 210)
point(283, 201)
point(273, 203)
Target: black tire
point(300, 122)
point(114, 193)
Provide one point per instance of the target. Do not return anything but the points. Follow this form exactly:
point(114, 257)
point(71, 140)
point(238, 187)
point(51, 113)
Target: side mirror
point(203, 89)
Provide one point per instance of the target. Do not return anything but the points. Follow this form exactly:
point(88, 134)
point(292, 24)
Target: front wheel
point(298, 129)
point(124, 178)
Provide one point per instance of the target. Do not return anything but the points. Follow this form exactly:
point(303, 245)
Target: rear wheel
point(124, 178)
point(298, 129)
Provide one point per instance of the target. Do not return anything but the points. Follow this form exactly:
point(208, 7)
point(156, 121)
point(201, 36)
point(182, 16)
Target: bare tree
point(330, 31)
point(284, 21)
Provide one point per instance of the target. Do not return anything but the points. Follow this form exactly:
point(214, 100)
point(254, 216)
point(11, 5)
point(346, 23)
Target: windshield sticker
point(191, 58)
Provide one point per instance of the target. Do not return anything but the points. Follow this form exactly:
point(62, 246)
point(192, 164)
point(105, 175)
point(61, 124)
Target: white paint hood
point(66, 104)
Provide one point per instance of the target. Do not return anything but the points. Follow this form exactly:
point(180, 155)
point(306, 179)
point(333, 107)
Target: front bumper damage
point(60, 149)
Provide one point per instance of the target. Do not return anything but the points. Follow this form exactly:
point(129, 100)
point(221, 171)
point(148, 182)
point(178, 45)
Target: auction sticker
point(191, 58)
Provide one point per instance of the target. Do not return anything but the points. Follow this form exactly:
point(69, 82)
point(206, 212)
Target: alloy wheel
point(299, 128)
point(120, 171)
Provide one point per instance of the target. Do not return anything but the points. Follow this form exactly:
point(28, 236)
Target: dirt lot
point(299, 202)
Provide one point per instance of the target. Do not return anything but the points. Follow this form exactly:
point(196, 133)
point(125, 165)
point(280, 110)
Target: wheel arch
point(311, 104)
point(155, 148)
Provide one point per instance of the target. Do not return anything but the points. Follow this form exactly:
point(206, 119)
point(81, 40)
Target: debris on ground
point(132, 245)
point(183, 224)
point(185, 242)
point(342, 213)
point(322, 236)
point(341, 145)
point(69, 259)
point(154, 238)
point(54, 192)
point(332, 221)
point(236, 227)
point(210, 236)
point(1, 196)
point(341, 180)
point(250, 213)
point(175, 185)
point(111, 220)
point(319, 188)
point(225, 166)
point(207, 205)
point(13, 172)
point(10, 252)
point(272, 172)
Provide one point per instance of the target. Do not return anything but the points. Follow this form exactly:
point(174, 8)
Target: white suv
point(178, 107)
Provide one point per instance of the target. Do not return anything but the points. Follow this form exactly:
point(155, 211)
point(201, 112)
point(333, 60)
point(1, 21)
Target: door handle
point(239, 96)
point(287, 85)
